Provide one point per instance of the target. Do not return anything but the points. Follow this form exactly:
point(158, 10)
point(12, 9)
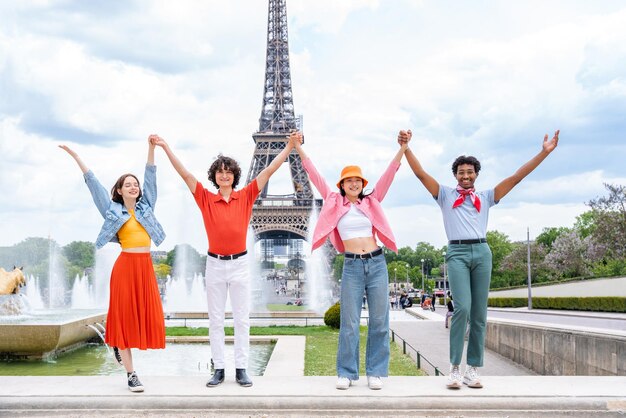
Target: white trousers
point(230, 276)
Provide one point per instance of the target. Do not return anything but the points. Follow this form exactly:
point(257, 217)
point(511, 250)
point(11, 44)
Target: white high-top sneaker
point(471, 377)
point(454, 378)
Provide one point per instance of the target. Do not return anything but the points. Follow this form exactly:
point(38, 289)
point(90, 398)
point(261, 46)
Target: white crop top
point(354, 224)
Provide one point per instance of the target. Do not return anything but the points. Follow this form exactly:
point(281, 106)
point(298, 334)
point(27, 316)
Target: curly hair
point(226, 163)
point(115, 196)
point(465, 160)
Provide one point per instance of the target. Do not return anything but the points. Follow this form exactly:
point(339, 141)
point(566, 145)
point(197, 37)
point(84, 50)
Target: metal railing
point(418, 356)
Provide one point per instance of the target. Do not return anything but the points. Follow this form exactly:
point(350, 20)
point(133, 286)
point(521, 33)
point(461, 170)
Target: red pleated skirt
point(135, 317)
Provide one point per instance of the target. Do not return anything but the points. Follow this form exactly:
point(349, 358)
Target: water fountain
point(45, 325)
point(317, 274)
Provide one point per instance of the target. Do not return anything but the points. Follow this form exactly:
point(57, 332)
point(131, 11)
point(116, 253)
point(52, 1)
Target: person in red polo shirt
point(226, 216)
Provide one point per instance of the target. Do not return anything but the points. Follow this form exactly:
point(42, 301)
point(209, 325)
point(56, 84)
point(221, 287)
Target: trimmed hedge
point(332, 317)
point(593, 303)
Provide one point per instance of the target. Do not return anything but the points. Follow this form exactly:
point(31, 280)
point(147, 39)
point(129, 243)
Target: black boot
point(242, 378)
point(217, 379)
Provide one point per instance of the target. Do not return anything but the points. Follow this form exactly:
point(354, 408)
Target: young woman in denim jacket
point(135, 316)
point(351, 220)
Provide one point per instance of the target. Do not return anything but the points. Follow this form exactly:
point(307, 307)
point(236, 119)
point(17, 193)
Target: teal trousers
point(469, 273)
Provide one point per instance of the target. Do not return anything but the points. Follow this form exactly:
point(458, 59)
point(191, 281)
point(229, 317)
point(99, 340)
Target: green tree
point(549, 235)
point(338, 266)
point(162, 270)
point(194, 262)
point(80, 253)
point(585, 223)
point(610, 221)
point(514, 267)
point(500, 247)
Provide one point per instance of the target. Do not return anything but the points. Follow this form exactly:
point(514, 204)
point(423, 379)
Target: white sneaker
point(454, 378)
point(343, 383)
point(471, 377)
point(374, 382)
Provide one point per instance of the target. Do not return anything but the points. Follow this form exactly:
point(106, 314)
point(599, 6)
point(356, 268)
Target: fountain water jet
point(317, 273)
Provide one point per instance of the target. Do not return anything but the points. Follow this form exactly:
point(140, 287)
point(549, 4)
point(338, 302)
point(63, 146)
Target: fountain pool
point(177, 359)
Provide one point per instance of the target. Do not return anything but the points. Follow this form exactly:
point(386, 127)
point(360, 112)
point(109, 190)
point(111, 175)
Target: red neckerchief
point(463, 193)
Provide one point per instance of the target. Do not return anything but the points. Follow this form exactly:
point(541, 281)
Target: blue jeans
point(369, 276)
point(469, 272)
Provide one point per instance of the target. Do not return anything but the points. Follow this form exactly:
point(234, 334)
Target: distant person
point(226, 216)
point(450, 312)
point(465, 212)
point(433, 300)
point(352, 219)
point(135, 315)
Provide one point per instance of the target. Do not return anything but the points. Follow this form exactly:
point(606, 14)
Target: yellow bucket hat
point(351, 171)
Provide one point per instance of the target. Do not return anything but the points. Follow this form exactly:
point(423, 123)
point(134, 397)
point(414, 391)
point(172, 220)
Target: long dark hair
point(115, 196)
point(360, 196)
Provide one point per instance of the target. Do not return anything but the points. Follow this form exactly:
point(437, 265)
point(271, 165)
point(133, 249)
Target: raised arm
point(427, 180)
point(99, 194)
point(149, 185)
point(151, 147)
point(315, 177)
point(505, 186)
point(383, 184)
point(189, 178)
point(76, 158)
point(263, 177)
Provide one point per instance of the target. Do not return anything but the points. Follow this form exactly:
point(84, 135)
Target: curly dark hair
point(228, 164)
point(115, 196)
point(465, 160)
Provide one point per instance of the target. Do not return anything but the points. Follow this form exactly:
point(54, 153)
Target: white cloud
point(487, 79)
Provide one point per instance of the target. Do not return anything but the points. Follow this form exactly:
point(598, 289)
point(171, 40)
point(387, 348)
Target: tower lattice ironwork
point(286, 217)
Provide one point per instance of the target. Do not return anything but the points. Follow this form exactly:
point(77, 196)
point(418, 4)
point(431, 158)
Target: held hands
point(550, 145)
point(157, 141)
point(404, 137)
point(296, 138)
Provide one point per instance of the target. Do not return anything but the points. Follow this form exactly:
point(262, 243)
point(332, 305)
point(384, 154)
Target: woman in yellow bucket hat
point(353, 220)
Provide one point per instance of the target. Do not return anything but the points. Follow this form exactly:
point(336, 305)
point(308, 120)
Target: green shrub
point(595, 303)
point(332, 316)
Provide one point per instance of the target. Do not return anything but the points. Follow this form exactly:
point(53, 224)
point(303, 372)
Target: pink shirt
point(336, 205)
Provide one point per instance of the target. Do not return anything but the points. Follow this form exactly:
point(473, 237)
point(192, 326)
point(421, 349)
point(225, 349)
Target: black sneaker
point(134, 385)
point(118, 357)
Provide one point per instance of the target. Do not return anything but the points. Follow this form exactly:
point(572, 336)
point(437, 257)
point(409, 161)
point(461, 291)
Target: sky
point(485, 78)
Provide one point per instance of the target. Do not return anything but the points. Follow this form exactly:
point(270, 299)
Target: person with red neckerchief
point(469, 261)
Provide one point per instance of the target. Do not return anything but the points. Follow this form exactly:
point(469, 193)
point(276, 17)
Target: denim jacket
point(115, 214)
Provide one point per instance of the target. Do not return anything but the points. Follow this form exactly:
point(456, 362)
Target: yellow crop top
point(132, 234)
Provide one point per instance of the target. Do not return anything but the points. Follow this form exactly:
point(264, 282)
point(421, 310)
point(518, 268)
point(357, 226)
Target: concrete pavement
point(312, 396)
point(284, 392)
point(431, 339)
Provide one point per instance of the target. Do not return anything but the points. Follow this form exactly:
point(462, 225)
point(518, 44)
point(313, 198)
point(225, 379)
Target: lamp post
point(407, 273)
point(445, 291)
point(423, 289)
point(395, 286)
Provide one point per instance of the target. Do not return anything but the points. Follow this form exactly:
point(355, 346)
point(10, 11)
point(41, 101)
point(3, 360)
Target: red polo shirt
point(226, 223)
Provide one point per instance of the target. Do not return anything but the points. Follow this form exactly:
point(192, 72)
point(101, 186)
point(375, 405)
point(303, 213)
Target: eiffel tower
point(279, 220)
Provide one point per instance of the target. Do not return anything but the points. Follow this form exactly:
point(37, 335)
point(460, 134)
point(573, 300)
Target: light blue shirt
point(464, 222)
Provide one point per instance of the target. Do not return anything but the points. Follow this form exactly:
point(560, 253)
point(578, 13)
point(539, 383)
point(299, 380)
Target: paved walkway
point(431, 339)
